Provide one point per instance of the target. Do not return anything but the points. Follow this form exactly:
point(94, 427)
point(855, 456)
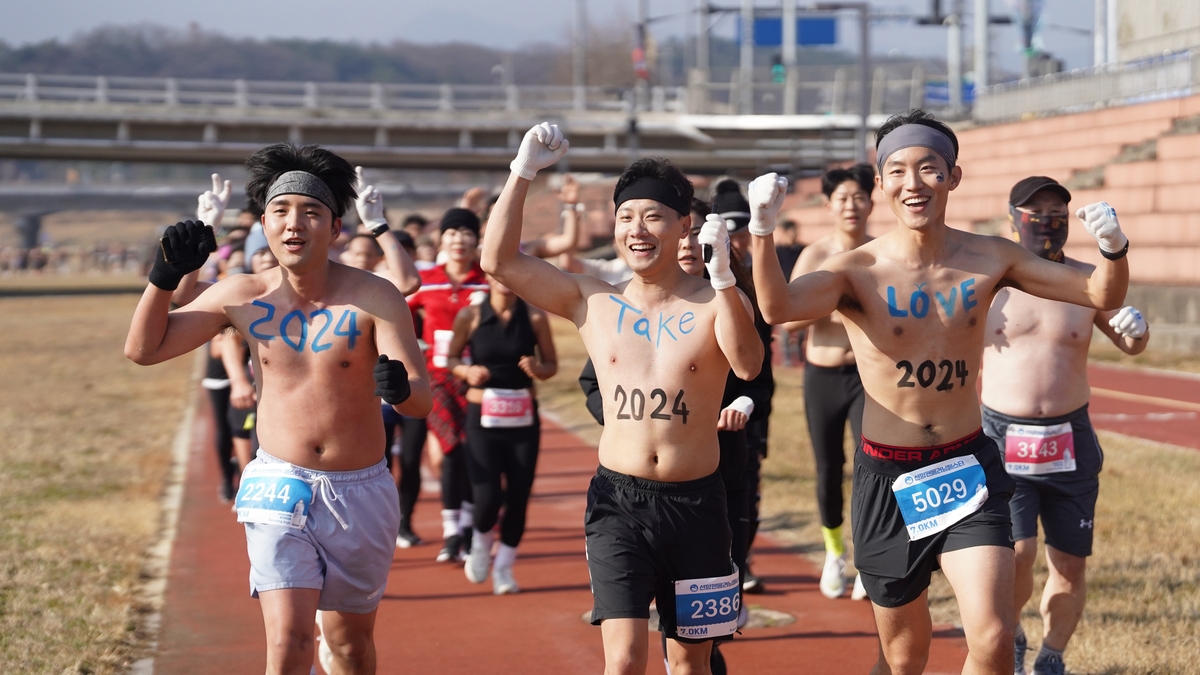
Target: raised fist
point(542, 146)
point(766, 195)
point(183, 249)
point(391, 381)
point(369, 205)
point(1100, 220)
point(713, 233)
point(1129, 322)
point(211, 204)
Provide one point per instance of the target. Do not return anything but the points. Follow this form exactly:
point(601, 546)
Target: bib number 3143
point(1034, 451)
point(274, 499)
point(707, 608)
point(937, 496)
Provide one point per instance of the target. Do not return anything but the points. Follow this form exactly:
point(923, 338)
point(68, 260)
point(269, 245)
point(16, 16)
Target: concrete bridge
point(425, 126)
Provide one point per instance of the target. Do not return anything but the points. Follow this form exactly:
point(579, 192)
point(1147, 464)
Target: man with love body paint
point(930, 491)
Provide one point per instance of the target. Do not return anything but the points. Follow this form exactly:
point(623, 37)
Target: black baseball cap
point(1026, 188)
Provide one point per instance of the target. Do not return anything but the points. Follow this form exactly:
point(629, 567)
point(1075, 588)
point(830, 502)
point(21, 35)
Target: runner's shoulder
point(371, 292)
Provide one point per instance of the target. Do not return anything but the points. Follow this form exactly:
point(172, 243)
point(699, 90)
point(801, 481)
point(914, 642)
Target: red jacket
point(441, 299)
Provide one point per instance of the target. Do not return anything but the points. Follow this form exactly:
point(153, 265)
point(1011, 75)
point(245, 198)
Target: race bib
point(273, 496)
point(707, 608)
point(1034, 451)
point(441, 347)
point(937, 496)
point(502, 408)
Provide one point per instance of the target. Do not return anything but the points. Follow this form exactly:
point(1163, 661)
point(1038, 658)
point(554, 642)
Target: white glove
point(369, 205)
point(766, 194)
point(714, 233)
point(542, 146)
point(1129, 322)
point(210, 206)
point(1100, 220)
point(742, 404)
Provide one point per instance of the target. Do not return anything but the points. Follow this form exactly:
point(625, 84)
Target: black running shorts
point(1065, 502)
point(894, 570)
point(644, 535)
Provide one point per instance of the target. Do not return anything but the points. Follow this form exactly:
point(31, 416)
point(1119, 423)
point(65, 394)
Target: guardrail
point(1168, 76)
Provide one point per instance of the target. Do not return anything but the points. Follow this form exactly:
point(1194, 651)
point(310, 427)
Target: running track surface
point(433, 621)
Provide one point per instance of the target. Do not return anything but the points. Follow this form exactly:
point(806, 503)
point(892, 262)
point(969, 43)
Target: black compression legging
point(412, 443)
point(222, 433)
point(756, 451)
point(831, 397)
point(733, 469)
point(492, 453)
point(456, 482)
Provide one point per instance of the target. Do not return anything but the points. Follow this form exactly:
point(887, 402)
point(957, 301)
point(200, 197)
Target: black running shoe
point(450, 549)
point(405, 538)
point(752, 584)
point(225, 491)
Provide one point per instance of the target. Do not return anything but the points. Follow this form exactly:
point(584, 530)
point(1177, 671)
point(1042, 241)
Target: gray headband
point(302, 183)
point(915, 136)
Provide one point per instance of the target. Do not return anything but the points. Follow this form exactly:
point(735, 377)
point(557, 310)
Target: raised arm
point(157, 334)
point(735, 331)
point(808, 297)
point(564, 242)
point(809, 261)
point(1127, 329)
point(369, 204)
point(537, 281)
point(405, 386)
point(1104, 289)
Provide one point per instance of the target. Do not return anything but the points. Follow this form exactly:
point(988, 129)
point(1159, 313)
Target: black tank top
point(214, 369)
point(500, 347)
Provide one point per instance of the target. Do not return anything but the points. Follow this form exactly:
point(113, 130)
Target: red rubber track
point(433, 621)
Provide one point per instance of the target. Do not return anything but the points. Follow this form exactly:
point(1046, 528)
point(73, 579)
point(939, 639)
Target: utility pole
point(982, 46)
point(1111, 23)
point(1099, 32)
point(746, 81)
point(864, 80)
point(702, 35)
point(579, 66)
point(954, 56)
point(791, 78)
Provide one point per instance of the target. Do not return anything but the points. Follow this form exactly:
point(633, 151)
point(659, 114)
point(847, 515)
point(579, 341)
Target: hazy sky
point(499, 23)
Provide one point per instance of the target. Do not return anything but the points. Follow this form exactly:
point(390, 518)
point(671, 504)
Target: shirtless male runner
point(662, 344)
point(930, 489)
point(1035, 407)
point(319, 506)
point(833, 392)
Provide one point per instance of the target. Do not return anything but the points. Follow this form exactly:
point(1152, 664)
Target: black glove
point(183, 249)
point(391, 381)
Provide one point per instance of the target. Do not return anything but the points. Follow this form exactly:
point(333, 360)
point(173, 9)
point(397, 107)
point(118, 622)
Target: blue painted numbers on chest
point(320, 321)
point(665, 325)
point(920, 301)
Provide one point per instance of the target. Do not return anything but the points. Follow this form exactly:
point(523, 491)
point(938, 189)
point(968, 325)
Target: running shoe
point(752, 584)
point(1020, 645)
point(225, 491)
point(860, 591)
point(478, 561)
point(833, 577)
point(406, 538)
point(1049, 664)
point(450, 547)
point(503, 582)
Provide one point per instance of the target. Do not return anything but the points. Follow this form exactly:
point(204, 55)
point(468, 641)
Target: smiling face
point(299, 229)
point(917, 182)
point(647, 234)
point(850, 205)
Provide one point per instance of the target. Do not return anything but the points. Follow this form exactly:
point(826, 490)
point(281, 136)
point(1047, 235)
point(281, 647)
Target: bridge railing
point(1169, 76)
point(344, 95)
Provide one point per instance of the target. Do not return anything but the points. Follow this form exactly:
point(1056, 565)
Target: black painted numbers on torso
point(631, 405)
point(940, 375)
point(319, 323)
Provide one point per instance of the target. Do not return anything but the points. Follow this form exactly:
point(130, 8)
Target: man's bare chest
point(307, 334)
point(1018, 316)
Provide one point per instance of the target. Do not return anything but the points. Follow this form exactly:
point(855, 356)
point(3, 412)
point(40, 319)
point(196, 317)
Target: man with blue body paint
point(662, 344)
point(930, 490)
point(327, 340)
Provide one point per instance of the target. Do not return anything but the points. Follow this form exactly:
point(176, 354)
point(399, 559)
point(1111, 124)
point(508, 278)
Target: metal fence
point(1168, 76)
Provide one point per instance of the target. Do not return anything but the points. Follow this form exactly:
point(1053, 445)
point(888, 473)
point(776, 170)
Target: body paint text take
point(919, 301)
point(641, 325)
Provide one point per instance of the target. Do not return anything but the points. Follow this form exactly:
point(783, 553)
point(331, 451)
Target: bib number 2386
point(706, 608)
point(274, 499)
point(937, 496)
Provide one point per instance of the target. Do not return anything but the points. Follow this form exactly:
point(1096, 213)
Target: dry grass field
point(86, 447)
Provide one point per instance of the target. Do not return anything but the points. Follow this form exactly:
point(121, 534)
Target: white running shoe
point(324, 653)
point(860, 591)
point(503, 582)
point(478, 561)
point(833, 577)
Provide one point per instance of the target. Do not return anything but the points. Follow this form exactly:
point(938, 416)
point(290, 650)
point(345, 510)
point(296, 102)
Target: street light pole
point(579, 69)
point(746, 81)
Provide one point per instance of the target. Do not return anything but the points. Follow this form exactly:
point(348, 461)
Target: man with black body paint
point(662, 344)
point(930, 490)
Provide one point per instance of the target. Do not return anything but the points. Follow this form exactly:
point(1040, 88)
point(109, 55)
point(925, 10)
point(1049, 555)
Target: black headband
point(658, 190)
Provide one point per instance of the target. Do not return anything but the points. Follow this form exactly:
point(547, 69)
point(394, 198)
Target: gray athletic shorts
point(345, 547)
